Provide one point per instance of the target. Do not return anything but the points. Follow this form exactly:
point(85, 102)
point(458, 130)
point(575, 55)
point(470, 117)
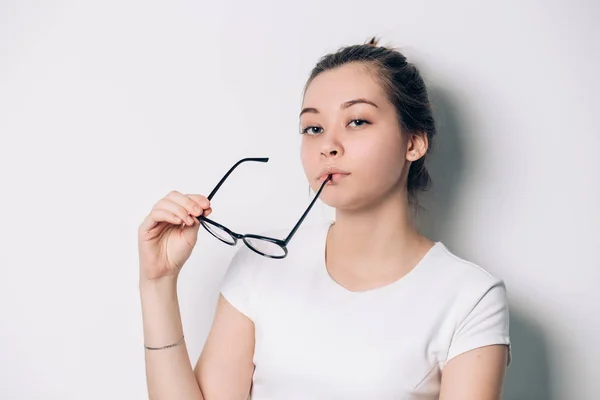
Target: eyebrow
point(344, 105)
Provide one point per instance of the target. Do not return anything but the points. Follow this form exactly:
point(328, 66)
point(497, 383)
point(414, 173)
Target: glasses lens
point(265, 247)
point(218, 233)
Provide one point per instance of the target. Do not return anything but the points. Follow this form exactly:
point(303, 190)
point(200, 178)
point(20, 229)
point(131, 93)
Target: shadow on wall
point(528, 376)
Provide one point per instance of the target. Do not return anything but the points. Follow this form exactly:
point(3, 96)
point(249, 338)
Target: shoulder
point(465, 285)
point(462, 288)
point(457, 274)
point(475, 307)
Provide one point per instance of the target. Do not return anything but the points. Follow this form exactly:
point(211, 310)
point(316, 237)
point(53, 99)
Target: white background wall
point(105, 106)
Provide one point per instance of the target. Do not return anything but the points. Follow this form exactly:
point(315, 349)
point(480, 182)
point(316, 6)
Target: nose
point(331, 148)
point(330, 153)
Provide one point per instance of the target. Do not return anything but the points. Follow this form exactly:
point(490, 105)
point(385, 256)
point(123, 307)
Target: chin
point(342, 201)
point(357, 199)
point(339, 195)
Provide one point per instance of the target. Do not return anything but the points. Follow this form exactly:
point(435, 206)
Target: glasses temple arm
point(224, 178)
point(289, 237)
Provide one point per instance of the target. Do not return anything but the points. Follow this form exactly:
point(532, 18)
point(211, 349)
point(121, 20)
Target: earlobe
point(420, 143)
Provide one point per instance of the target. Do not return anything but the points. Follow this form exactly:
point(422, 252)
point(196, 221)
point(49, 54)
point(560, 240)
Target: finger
point(159, 215)
point(175, 208)
point(200, 200)
point(192, 206)
point(190, 233)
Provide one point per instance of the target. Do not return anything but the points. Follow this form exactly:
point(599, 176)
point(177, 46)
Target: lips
point(335, 178)
point(336, 173)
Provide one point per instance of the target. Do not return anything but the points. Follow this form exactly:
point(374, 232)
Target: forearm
point(169, 373)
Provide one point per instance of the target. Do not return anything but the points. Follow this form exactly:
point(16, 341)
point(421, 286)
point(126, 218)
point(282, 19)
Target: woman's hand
point(168, 234)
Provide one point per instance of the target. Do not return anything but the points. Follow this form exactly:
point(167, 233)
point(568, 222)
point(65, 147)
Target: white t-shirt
point(317, 340)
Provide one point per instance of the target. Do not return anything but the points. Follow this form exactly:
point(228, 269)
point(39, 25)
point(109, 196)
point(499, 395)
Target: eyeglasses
point(263, 245)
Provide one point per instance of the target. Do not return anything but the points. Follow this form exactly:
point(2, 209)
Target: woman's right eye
point(311, 130)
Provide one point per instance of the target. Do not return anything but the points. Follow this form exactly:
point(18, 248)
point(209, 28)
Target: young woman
point(362, 308)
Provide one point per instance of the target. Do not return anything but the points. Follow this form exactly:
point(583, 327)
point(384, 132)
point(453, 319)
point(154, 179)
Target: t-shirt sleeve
point(238, 286)
point(486, 324)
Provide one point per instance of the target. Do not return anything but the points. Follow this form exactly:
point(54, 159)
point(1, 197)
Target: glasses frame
point(282, 243)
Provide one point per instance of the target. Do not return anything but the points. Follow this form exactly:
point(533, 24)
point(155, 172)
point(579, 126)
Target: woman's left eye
point(358, 122)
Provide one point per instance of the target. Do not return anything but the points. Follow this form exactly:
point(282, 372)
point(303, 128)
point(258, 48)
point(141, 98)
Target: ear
point(417, 146)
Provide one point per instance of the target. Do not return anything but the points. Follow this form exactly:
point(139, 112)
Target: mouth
point(337, 174)
point(336, 177)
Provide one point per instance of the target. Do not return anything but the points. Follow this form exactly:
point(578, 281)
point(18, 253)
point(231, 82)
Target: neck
point(380, 237)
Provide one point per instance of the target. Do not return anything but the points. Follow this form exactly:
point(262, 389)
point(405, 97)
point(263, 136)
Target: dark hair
point(405, 89)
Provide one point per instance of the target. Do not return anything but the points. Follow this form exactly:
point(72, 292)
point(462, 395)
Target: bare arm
point(475, 375)
point(225, 367)
point(166, 239)
point(169, 373)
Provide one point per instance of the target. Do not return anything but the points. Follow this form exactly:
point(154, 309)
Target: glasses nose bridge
point(236, 236)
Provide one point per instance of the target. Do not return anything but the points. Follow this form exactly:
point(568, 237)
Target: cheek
point(382, 157)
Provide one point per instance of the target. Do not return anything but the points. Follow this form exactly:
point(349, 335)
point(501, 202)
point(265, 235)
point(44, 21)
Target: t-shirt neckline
point(335, 285)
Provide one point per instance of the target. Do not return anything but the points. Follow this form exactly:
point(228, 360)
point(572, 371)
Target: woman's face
point(348, 124)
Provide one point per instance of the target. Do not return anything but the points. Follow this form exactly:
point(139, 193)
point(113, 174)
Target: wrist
point(166, 283)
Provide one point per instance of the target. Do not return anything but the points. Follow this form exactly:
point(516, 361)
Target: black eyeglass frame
point(282, 243)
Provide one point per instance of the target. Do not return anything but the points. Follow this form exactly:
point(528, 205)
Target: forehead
point(348, 82)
